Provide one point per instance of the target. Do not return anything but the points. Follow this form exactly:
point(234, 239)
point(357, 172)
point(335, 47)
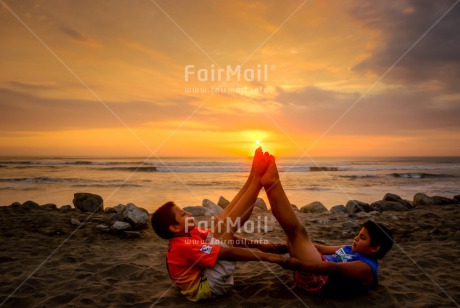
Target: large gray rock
point(49, 206)
point(136, 216)
point(338, 209)
point(120, 226)
point(363, 214)
point(396, 198)
point(223, 202)
point(102, 228)
point(31, 205)
point(456, 199)
point(87, 202)
point(109, 210)
point(116, 217)
point(421, 199)
point(260, 204)
point(75, 222)
point(438, 200)
point(117, 209)
point(355, 206)
point(198, 210)
point(382, 206)
point(66, 207)
point(215, 209)
point(314, 207)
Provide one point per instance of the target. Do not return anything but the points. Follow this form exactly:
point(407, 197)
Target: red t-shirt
point(186, 259)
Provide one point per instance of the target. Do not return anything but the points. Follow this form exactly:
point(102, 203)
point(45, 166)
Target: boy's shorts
point(220, 277)
point(312, 283)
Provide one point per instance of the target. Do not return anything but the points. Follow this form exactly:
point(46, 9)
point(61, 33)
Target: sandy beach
point(46, 261)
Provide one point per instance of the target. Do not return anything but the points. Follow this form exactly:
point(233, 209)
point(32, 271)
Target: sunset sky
point(323, 78)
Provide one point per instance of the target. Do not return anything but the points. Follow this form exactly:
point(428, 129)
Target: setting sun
point(165, 96)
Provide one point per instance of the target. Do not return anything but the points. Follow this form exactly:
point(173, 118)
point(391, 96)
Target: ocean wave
point(45, 179)
point(401, 168)
point(315, 188)
point(73, 162)
point(323, 168)
point(74, 182)
point(421, 175)
point(37, 166)
point(136, 169)
point(8, 188)
point(35, 162)
point(110, 163)
point(240, 169)
point(184, 165)
point(130, 163)
point(107, 185)
point(193, 164)
point(201, 170)
point(19, 188)
point(359, 176)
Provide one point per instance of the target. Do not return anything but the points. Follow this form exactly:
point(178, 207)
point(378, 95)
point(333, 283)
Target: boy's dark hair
point(162, 219)
point(380, 236)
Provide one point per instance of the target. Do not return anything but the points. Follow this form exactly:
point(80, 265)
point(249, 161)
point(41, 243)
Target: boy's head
point(171, 221)
point(373, 240)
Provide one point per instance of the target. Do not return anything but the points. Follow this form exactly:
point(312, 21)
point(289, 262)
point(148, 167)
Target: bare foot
point(256, 154)
point(259, 163)
point(271, 177)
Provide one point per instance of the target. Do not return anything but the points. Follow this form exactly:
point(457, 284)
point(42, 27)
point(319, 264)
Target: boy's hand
point(272, 258)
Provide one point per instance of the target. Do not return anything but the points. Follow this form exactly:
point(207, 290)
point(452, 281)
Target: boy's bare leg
point(299, 243)
point(240, 212)
point(235, 199)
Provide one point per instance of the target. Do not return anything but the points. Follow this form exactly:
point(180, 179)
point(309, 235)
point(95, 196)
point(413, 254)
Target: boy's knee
point(298, 232)
point(304, 233)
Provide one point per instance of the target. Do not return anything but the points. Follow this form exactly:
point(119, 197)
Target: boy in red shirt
point(201, 262)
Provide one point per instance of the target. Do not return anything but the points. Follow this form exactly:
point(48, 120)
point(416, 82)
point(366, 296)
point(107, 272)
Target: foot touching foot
point(271, 177)
point(259, 163)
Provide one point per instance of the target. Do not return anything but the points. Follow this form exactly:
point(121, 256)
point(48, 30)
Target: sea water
point(149, 183)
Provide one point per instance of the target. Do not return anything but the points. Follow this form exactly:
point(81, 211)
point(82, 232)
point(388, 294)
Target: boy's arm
point(327, 250)
point(244, 254)
point(356, 269)
point(239, 241)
